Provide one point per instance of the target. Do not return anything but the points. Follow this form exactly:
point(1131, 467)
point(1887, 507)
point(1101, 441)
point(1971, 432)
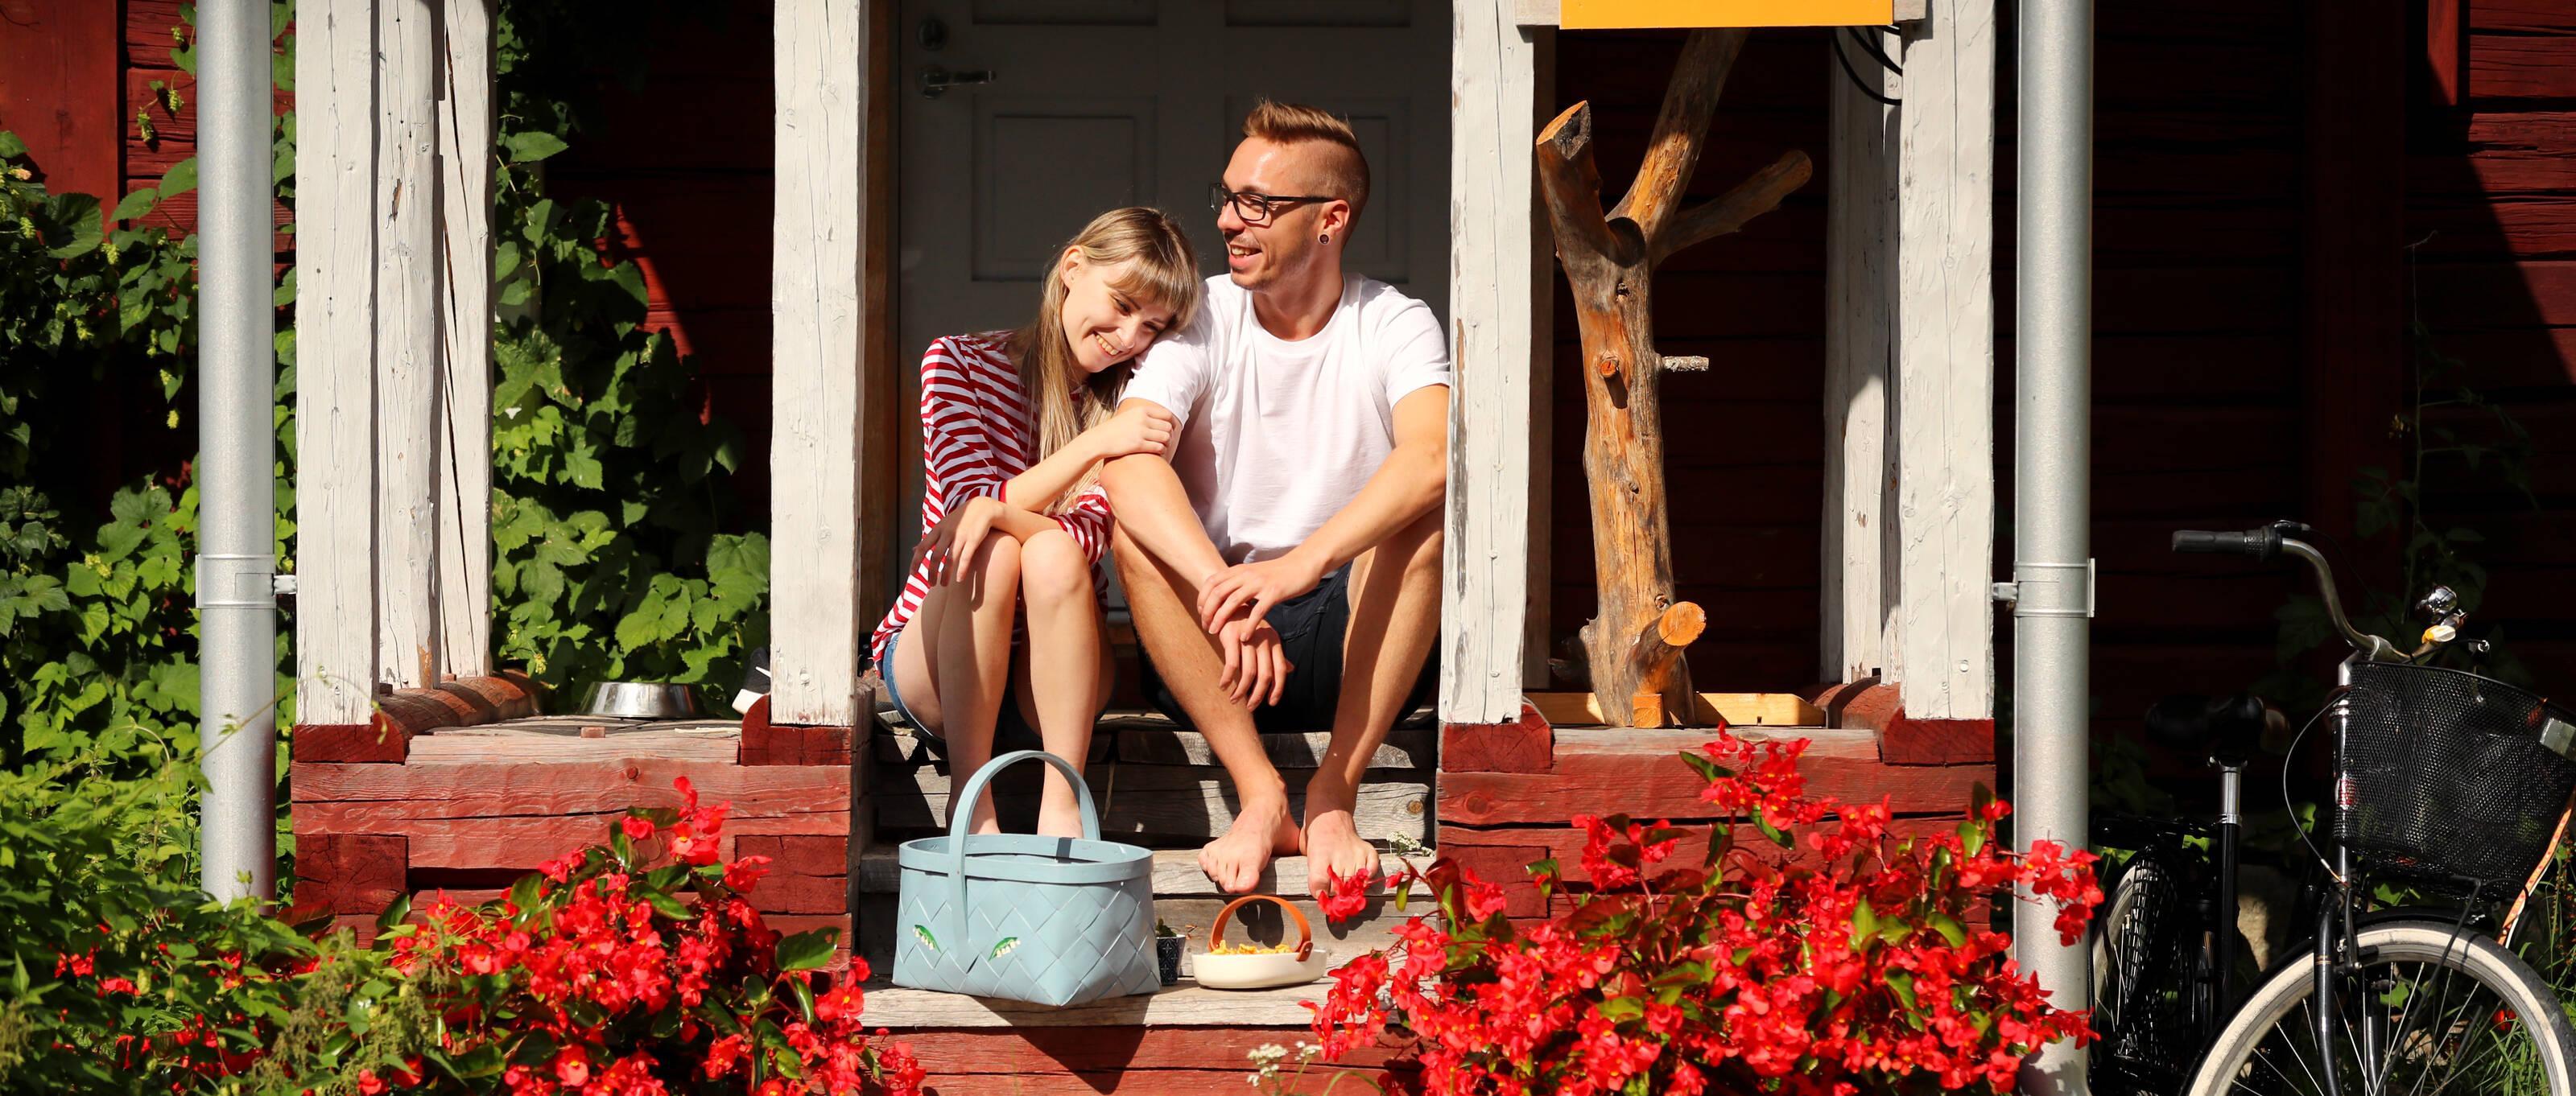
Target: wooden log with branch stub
point(1632, 649)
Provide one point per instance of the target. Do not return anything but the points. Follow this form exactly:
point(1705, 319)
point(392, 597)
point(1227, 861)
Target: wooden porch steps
point(1157, 784)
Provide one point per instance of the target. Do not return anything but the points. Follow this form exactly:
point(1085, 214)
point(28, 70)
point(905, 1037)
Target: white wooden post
point(464, 472)
point(1493, 289)
point(1860, 280)
point(407, 334)
point(815, 299)
point(335, 280)
point(1943, 645)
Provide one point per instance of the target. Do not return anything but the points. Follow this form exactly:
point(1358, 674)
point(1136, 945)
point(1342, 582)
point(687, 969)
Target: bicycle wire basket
point(2456, 778)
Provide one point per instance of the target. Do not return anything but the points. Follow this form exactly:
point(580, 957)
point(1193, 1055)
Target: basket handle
point(1305, 932)
point(961, 807)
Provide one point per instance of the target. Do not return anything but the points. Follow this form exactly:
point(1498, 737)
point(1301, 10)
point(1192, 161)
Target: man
point(1283, 563)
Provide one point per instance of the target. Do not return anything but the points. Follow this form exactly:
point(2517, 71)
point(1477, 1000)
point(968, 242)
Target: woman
point(1014, 426)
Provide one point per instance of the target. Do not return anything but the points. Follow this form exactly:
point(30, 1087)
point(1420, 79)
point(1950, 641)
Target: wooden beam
point(1942, 652)
point(464, 580)
point(1494, 284)
point(407, 392)
point(335, 279)
point(1860, 302)
point(821, 312)
point(1538, 633)
point(892, 432)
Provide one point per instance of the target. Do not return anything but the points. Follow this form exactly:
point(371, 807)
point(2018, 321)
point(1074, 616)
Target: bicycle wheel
point(2147, 974)
point(2451, 1014)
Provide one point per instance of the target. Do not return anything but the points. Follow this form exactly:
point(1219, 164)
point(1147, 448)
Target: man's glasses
point(1256, 208)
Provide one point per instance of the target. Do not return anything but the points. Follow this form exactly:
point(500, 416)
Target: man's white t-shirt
point(1277, 436)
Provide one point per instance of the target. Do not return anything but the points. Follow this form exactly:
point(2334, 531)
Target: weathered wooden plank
point(1316, 1081)
point(820, 315)
point(1860, 303)
point(1642, 774)
point(1158, 801)
point(1737, 709)
point(1564, 844)
point(1166, 744)
point(475, 745)
point(2521, 49)
point(1372, 929)
point(335, 518)
point(520, 844)
point(1176, 873)
point(1941, 648)
point(406, 357)
point(611, 783)
point(1182, 1005)
point(1494, 287)
point(464, 230)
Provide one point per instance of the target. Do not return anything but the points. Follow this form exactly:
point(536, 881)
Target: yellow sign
point(1635, 14)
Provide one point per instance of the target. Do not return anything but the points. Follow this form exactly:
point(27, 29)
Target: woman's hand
point(1140, 429)
point(950, 546)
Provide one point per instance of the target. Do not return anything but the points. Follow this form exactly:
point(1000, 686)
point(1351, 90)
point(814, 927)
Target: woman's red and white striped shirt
point(976, 433)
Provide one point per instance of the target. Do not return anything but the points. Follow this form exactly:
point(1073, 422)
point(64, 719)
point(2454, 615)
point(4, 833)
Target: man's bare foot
point(1262, 829)
point(1332, 839)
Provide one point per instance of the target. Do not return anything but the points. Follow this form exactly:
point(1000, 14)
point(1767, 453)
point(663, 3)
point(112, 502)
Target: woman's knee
point(998, 559)
point(1052, 565)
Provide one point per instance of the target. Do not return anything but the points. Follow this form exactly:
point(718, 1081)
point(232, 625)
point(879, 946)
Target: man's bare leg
point(1189, 664)
point(1395, 618)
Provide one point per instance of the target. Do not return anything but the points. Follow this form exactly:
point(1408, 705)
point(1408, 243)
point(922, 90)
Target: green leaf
point(804, 998)
point(922, 934)
point(809, 950)
point(1005, 946)
point(394, 914)
point(1948, 927)
point(135, 205)
point(180, 179)
point(664, 904)
point(1617, 1009)
point(1707, 769)
point(10, 145)
point(529, 146)
point(1901, 983)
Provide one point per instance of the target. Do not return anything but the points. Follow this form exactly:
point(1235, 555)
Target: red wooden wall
point(2491, 192)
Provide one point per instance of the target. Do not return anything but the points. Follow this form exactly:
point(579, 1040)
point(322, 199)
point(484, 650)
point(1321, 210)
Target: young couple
point(1263, 454)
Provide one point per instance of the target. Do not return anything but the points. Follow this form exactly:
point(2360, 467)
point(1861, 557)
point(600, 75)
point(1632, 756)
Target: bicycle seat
point(2227, 729)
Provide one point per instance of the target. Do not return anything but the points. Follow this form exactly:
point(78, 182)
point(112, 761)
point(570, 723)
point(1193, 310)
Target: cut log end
point(1570, 131)
point(1686, 364)
point(1682, 625)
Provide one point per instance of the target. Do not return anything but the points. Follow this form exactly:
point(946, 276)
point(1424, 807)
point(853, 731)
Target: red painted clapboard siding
point(2521, 49)
point(58, 67)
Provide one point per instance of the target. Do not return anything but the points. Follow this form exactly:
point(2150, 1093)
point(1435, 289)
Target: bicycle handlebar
point(2275, 540)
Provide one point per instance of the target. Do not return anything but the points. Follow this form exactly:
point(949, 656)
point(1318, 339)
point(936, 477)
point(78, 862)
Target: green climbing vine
point(613, 556)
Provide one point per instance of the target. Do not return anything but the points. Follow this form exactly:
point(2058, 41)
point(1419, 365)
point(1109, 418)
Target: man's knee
point(1052, 566)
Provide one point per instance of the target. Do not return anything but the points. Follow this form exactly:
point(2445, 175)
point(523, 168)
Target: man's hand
point(950, 546)
point(1256, 586)
point(1256, 668)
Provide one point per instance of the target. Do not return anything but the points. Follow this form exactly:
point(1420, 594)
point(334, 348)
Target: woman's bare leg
point(1067, 664)
point(954, 661)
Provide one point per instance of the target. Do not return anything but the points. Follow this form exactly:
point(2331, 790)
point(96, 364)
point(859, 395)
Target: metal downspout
point(236, 375)
point(2052, 467)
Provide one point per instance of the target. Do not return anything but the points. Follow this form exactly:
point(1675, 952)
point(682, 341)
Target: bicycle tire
point(2491, 1013)
point(2148, 965)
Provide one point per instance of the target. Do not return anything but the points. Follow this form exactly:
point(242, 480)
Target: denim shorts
point(1311, 627)
point(1011, 731)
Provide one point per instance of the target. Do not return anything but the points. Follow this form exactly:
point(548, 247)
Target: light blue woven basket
point(1049, 920)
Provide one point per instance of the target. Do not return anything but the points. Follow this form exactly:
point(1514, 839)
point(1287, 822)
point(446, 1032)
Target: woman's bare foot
point(1332, 838)
point(1262, 829)
point(1063, 821)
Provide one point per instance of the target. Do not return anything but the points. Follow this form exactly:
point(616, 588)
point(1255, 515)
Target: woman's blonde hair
point(1163, 272)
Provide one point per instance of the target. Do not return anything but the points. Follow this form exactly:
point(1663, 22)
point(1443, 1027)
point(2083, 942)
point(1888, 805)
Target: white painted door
point(1096, 104)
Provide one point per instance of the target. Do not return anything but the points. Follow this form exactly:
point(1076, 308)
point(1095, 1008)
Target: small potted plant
point(1168, 946)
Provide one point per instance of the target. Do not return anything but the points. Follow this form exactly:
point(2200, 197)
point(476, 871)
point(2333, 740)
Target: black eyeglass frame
point(1219, 197)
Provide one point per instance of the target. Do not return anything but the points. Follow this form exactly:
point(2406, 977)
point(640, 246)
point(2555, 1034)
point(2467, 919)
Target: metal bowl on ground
point(640, 700)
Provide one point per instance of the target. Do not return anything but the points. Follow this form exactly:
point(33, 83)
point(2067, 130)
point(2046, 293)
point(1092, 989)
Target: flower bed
point(1737, 973)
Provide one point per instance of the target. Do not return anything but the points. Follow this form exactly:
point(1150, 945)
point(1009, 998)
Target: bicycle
point(2376, 1001)
point(2165, 961)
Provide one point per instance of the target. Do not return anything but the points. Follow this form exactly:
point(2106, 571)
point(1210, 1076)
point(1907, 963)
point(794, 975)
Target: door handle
point(935, 81)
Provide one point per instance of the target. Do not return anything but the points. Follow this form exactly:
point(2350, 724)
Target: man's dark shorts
point(1311, 628)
